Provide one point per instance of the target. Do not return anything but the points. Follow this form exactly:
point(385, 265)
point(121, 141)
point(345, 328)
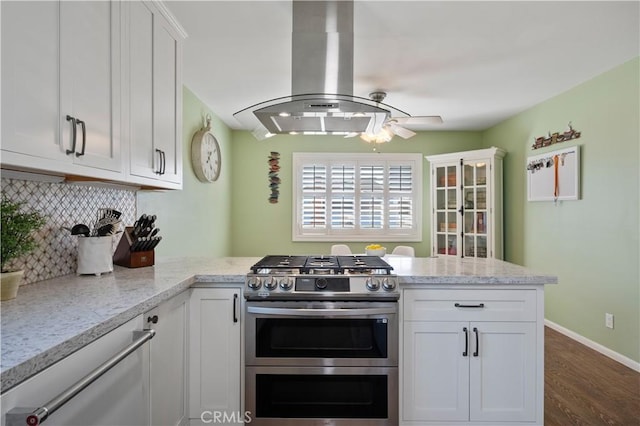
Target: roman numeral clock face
point(205, 156)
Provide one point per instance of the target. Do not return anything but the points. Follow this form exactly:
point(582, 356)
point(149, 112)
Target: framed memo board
point(554, 175)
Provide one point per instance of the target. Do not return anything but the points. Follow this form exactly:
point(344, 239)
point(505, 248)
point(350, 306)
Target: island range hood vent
point(322, 100)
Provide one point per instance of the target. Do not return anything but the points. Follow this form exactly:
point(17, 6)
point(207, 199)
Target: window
point(357, 197)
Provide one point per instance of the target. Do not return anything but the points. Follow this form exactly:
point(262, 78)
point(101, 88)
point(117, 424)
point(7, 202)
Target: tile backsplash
point(64, 205)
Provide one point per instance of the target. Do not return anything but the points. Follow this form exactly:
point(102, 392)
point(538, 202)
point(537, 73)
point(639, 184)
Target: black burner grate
point(323, 264)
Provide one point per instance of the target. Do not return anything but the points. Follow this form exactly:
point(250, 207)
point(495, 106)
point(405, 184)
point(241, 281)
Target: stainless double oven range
point(321, 341)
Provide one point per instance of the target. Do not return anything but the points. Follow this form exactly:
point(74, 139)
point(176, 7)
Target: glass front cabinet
point(466, 203)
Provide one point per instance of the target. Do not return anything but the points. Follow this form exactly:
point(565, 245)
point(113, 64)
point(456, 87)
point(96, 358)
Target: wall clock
point(205, 154)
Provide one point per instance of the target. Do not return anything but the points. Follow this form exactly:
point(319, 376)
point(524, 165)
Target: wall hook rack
point(557, 137)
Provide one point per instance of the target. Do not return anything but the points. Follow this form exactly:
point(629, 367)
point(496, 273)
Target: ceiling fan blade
point(400, 131)
point(419, 120)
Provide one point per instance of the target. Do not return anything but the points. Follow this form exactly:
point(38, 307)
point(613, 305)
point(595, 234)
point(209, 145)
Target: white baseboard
point(595, 346)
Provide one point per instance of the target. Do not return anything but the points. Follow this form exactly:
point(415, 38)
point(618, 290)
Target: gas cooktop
point(321, 277)
point(322, 265)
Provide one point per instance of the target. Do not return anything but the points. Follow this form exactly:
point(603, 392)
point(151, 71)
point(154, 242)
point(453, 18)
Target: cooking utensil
point(102, 224)
point(80, 229)
point(108, 229)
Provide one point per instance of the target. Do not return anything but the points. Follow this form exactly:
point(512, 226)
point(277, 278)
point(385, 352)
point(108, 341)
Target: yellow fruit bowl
point(375, 250)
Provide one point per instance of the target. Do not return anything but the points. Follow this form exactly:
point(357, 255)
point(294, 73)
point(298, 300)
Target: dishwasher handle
point(303, 312)
point(21, 416)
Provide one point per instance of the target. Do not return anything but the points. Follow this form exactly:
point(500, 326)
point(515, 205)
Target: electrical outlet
point(608, 320)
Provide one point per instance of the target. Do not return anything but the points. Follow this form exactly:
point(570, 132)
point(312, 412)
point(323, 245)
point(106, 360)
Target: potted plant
point(16, 240)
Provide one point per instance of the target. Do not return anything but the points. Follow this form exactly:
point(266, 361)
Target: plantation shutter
point(314, 199)
point(400, 208)
point(343, 186)
point(372, 196)
point(357, 197)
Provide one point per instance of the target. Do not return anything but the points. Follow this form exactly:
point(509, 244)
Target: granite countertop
point(52, 319)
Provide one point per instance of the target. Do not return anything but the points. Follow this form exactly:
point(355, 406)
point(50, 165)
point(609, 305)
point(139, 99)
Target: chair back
point(404, 251)
point(340, 250)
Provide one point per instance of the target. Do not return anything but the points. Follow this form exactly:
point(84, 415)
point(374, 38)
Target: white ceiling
point(474, 63)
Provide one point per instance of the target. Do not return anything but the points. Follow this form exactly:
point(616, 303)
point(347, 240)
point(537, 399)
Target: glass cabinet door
point(475, 218)
point(446, 209)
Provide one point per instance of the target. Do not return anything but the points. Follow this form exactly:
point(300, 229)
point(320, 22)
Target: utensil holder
point(94, 255)
point(123, 255)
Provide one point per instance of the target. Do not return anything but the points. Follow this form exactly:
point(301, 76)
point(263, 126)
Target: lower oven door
point(339, 333)
point(327, 396)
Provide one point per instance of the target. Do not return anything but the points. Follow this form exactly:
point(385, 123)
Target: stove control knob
point(286, 283)
point(254, 283)
point(321, 283)
point(271, 283)
point(373, 284)
point(388, 284)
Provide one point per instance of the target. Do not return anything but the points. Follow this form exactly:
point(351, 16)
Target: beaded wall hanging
point(274, 179)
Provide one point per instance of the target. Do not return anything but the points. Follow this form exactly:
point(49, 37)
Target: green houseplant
point(16, 240)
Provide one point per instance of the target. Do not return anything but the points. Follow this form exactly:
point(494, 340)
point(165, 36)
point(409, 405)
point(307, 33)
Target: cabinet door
point(155, 90)
point(476, 201)
point(503, 374)
point(142, 160)
point(30, 79)
point(168, 360)
point(435, 371)
point(90, 80)
point(445, 204)
point(214, 351)
point(167, 100)
point(119, 397)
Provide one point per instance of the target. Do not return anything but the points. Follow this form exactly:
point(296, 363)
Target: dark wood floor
point(584, 387)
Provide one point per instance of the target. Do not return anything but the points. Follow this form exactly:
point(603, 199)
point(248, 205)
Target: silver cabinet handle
point(319, 312)
point(25, 416)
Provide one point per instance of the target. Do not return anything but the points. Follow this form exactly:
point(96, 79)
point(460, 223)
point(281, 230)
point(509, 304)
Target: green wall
point(592, 244)
point(259, 228)
point(194, 221)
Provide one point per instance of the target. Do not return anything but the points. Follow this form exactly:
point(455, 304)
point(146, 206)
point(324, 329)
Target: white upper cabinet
point(154, 52)
point(90, 81)
point(60, 77)
point(30, 80)
point(93, 89)
point(466, 203)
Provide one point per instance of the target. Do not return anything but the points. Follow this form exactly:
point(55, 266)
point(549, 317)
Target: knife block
point(123, 255)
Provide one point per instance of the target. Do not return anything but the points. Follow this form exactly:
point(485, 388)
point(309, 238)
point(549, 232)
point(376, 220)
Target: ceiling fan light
point(383, 136)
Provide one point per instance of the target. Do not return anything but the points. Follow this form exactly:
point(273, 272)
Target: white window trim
point(301, 158)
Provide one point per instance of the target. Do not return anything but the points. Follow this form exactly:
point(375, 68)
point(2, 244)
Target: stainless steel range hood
point(322, 100)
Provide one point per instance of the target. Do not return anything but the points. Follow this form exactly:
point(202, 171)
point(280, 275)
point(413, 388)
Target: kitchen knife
point(135, 245)
point(154, 232)
point(144, 246)
point(139, 225)
point(155, 242)
point(145, 231)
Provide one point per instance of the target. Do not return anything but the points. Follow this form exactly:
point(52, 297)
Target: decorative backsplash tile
point(64, 205)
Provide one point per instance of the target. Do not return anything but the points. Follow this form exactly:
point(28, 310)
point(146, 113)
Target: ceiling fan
point(394, 125)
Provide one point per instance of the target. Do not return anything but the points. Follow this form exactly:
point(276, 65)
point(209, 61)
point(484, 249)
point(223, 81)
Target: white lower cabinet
point(119, 397)
point(168, 361)
point(215, 356)
point(486, 367)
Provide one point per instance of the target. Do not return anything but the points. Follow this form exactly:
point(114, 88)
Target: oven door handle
point(303, 312)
